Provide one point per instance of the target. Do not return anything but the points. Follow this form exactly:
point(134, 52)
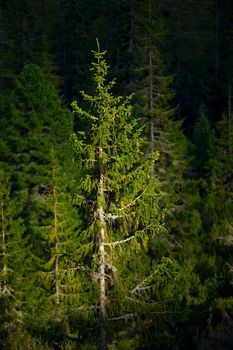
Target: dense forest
point(116, 174)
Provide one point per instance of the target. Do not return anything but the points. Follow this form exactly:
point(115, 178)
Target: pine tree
point(154, 97)
point(13, 262)
point(218, 205)
point(210, 268)
point(116, 191)
point(37, 123)
point(203, 139)
point(37, 150)
point(56, 282)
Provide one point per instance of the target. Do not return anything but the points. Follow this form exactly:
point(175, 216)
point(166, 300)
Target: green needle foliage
point(57, 283)
point(39, 155)
point(155, 104)
point(117, 192)
point(37, 124)
point(13, 263)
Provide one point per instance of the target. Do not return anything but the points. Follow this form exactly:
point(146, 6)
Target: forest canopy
point(116, 183)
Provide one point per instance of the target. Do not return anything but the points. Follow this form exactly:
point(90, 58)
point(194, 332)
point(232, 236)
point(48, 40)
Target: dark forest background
point(175, 57)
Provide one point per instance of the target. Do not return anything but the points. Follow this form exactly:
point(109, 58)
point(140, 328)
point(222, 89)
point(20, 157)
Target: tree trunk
point(216, 39)
point(101, 241)
point(151, 83)
point(4, 255)
point(151, 101)
point(55, 239)
point(230, 119)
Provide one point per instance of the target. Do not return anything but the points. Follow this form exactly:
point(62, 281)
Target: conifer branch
point(132, 203)
point(140, 287)
point(5, 290)
point(114, 216)
point(125, 317)
point(119, 242)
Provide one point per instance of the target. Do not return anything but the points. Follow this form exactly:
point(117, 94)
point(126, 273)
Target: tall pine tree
point(116, 192)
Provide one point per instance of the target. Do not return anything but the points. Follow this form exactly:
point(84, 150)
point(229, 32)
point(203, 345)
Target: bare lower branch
point(140, 285)
point(119, 242)
point(142, 289)
point(131, 203)
point(125, 317)
point(114, 216)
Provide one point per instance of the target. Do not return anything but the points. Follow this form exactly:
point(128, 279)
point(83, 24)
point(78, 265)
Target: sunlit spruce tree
point(117, 192)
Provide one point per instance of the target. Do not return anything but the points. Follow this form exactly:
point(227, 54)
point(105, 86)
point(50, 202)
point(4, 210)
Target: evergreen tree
point(203, 139)
point(13, 263)
point(210, 267)
point(37, 123)
point(57, 282)
point(218, 206)
point(181, 195)
point(36, 134)
point(154, 97)
point(117, 192)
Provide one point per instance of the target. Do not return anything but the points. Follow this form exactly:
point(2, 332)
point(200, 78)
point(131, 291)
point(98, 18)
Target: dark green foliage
point(116, 178)
point(37, 124)
point(75, 41)
point(214, 209)
point(168, 53)
point(39, 156)
point(203, 139)
point(194, 54)
point(14, 259)
point(154, 97)
point(30, 37)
